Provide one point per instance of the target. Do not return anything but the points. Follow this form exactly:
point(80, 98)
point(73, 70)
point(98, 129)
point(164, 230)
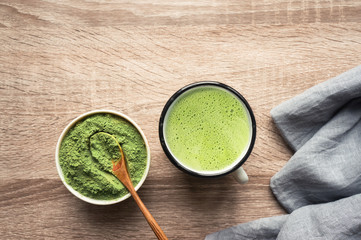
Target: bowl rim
point(60, 172)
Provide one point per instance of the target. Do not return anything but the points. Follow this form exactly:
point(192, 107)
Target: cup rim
point(180, 92)
point(60, 172)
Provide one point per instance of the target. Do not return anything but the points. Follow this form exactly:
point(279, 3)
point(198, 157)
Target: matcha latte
point(85, 158)
point(207, 129)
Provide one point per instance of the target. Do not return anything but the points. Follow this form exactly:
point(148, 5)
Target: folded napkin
point(320, 186)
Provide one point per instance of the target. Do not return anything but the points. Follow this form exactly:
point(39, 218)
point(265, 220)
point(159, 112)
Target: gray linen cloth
point(320, 186)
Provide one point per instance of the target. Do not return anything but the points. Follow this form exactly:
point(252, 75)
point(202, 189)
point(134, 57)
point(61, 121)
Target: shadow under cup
point(191, 115)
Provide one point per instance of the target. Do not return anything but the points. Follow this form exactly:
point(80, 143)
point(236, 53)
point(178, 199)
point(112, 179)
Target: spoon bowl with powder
point(109, 154)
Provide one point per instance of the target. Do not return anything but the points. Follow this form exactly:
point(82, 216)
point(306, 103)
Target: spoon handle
point(150, 219)
point(121, 172)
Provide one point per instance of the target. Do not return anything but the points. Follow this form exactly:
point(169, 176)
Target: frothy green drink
point(207, 128)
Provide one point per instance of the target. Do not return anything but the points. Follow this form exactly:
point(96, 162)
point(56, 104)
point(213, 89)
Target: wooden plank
point(184, 206)
point(17, 13)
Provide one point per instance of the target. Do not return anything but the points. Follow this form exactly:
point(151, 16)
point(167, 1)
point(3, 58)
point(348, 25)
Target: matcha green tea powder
point(86, 161)
point(105, 149)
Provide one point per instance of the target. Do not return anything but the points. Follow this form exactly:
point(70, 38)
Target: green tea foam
point(207, 129)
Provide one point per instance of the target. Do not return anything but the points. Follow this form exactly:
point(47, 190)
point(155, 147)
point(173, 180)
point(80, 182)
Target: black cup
point(203, 84)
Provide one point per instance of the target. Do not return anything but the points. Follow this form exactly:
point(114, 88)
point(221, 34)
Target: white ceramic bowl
point(60, 172)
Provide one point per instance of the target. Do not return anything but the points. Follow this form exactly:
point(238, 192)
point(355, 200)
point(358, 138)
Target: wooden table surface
point(59, 59)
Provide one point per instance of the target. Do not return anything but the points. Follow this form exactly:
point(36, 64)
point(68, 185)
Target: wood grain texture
point(61, 59)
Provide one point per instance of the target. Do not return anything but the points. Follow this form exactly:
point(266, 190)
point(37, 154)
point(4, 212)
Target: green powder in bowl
point(84, 164)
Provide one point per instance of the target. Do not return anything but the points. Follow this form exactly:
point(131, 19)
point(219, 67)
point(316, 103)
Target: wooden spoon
point(120, 170)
